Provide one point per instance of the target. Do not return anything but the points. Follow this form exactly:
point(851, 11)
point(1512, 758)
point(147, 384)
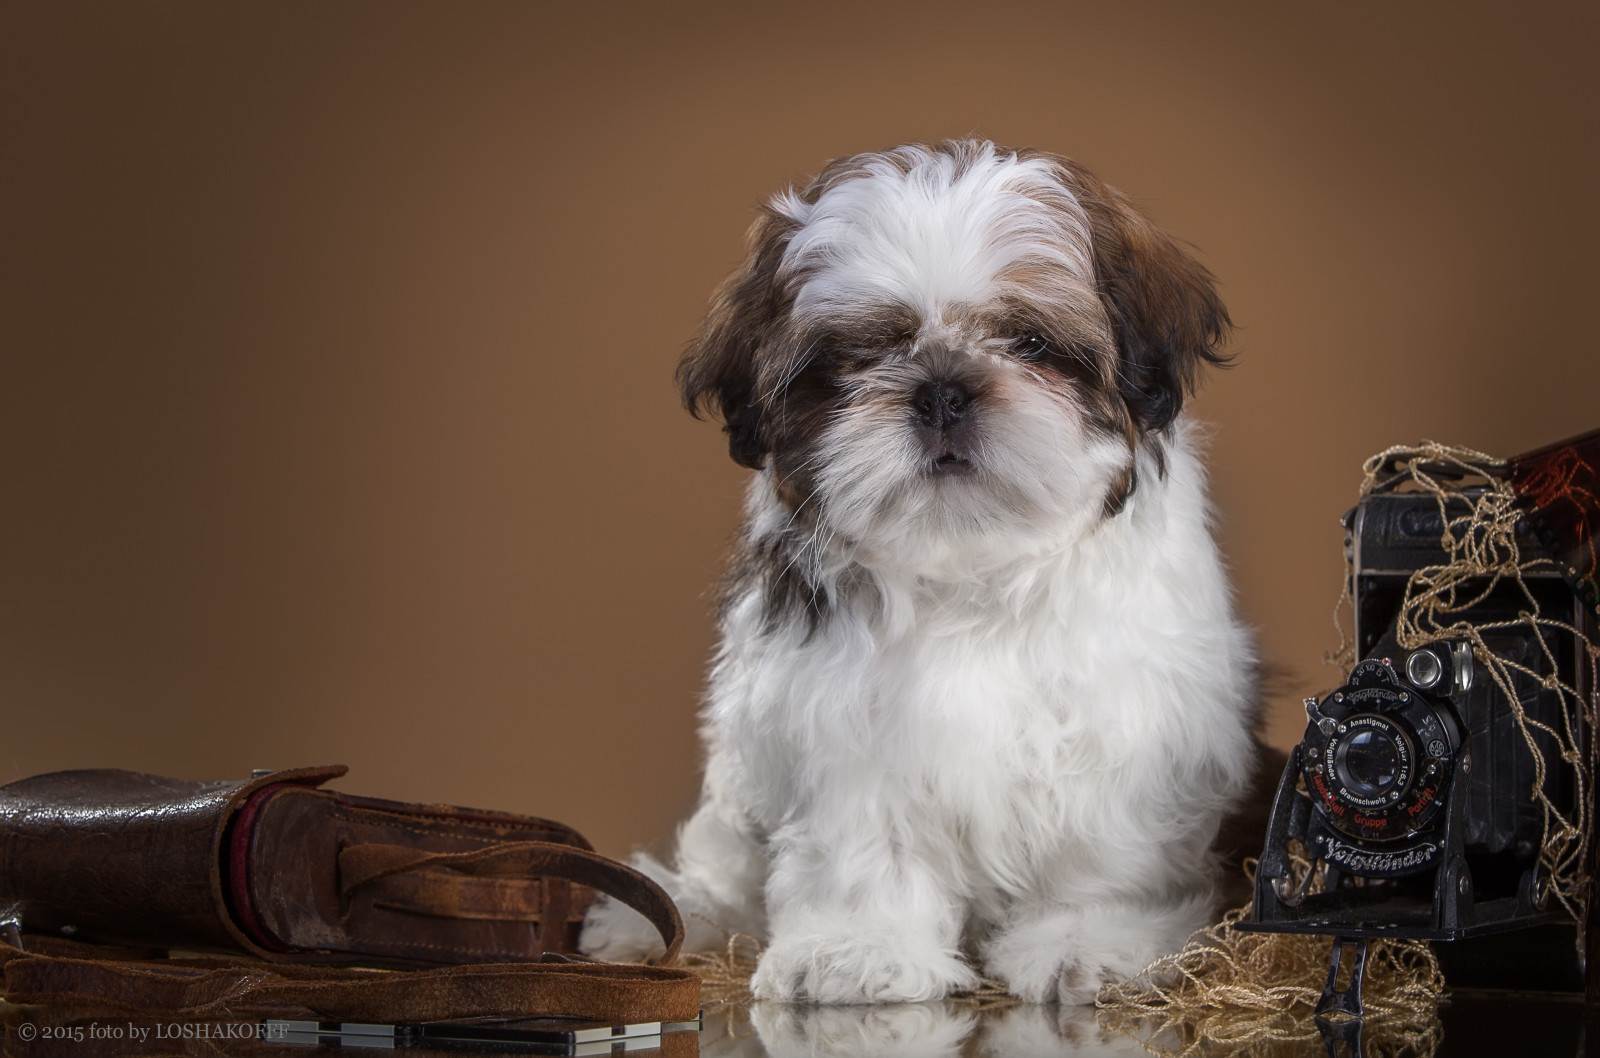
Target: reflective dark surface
point(1471, 1023)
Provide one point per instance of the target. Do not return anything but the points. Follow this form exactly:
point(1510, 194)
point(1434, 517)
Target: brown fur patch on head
point(1074, 349)
point(798, 382)
point(1166, 318)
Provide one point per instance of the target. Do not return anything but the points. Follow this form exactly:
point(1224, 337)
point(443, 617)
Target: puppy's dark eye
point(1031, 346)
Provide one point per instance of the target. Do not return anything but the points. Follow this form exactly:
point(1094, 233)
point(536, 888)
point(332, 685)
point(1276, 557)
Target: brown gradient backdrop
point(338, 338)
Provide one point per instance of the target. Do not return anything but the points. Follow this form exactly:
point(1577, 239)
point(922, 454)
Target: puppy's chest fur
point(980, 706)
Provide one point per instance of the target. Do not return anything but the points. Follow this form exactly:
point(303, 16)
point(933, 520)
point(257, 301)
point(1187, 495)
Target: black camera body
point(1415, 789)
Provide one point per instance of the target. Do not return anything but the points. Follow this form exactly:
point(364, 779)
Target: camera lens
point(1368, 762)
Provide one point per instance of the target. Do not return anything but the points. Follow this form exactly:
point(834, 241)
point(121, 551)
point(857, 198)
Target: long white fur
point(929, 236)
point(1008, 747)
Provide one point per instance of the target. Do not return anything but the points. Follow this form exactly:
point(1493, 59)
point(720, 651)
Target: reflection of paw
point(876, 967)
point(912, 1030)
point(615, 932)
point(727, 1034)
point(1028, 1030)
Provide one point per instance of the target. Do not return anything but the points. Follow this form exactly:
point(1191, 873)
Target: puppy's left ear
point(1165, 313)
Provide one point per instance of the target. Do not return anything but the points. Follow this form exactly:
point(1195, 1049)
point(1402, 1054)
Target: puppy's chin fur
point(981, 699)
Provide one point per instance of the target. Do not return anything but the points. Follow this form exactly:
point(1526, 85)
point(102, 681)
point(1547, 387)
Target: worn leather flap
point(123, 857)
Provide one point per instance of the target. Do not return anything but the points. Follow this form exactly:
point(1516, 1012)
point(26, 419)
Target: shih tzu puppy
point(981, 698)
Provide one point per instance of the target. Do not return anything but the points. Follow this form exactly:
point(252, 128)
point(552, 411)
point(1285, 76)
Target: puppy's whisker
point(780, 389)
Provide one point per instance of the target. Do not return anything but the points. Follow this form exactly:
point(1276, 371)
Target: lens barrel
point(1377, 759)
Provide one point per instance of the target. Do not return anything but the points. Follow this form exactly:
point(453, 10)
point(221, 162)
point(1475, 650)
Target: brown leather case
point(283, 870)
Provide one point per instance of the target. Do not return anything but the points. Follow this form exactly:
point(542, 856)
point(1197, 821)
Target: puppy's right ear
point(718, 373)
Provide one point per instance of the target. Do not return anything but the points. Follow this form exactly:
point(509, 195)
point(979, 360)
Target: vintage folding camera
point(1415, 790)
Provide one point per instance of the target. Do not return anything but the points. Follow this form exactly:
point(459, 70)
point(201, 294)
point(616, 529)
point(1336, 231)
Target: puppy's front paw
point(1041, 973)
point(615, 932)
point(1036, 1029)
point(879, 967)
point(1066, 956)
point(1069, 977)
point(1077, 981)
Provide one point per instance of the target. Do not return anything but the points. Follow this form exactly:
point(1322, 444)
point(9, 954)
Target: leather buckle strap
point(527, 861)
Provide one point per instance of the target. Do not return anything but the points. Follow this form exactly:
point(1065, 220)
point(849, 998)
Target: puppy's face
point(952, 347)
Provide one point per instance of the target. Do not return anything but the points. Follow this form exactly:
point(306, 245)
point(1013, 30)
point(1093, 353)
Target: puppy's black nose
point(941, 404)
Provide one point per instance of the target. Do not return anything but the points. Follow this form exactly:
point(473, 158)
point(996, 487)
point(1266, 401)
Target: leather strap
point(372, 864)
point(194, 988)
